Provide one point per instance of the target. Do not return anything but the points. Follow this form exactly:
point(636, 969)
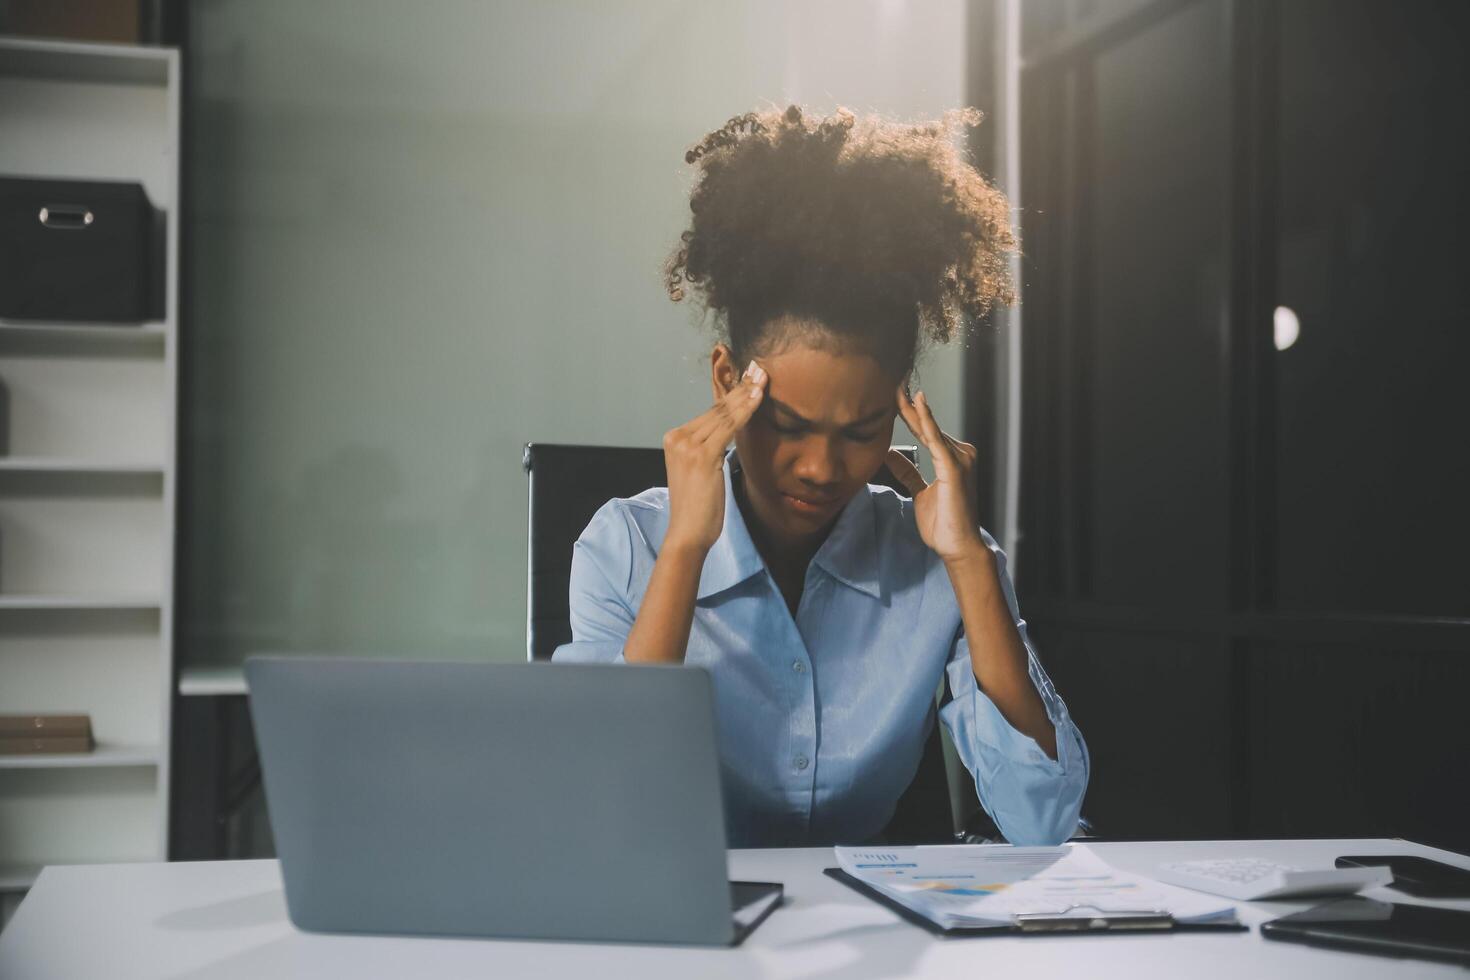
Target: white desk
point(216, 920)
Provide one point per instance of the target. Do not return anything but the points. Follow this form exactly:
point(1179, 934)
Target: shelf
point(152, 329)
point(79, 467)
point(82, 62)
point(212, 681)
point(80, 603)
point(33, 337)
point(104, 756)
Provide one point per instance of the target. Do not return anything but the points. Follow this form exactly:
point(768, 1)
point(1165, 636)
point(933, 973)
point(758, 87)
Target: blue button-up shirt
point(822, 718)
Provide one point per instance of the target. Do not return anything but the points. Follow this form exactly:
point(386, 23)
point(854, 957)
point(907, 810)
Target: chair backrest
point(565, 487)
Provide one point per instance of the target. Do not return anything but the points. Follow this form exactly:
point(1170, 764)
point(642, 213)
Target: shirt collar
point(734, 558)
point(850, 553)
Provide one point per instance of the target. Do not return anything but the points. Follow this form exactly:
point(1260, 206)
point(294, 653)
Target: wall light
point(1288, 327)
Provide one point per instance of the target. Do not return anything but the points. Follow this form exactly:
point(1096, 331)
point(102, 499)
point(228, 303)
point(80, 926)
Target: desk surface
point(227, 919)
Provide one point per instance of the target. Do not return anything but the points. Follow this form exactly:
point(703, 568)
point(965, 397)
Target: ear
point(724, 372)
point(905, 472)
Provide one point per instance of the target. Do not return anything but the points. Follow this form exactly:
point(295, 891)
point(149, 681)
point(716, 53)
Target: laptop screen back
point(524, 800)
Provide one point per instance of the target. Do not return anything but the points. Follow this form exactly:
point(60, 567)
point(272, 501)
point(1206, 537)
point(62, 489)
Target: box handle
point(66, 217)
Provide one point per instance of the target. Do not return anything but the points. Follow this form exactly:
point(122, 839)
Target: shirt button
point(802, 762)
point(798, 666)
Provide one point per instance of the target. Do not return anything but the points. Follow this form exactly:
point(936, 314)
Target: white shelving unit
point(87, 488)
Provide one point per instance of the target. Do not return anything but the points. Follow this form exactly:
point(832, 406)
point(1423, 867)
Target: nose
point(820, 465)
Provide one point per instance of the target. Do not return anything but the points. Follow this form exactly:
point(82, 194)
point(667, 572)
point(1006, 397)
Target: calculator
point(1250, 879)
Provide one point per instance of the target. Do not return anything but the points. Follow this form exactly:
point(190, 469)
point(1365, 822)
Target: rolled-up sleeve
point(1032, 798)
point(601, 612)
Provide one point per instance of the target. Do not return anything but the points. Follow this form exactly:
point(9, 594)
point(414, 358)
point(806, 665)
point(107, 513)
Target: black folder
point(1041, 925)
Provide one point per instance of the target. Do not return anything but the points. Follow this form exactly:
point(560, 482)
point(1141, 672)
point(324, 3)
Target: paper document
point(973, 886)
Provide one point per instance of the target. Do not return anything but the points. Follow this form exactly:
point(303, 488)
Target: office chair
point(567, 484)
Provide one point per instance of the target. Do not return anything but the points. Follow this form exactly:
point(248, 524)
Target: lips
point(808, 505)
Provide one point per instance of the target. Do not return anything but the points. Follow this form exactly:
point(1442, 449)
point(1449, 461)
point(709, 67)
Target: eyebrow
point(865, 420)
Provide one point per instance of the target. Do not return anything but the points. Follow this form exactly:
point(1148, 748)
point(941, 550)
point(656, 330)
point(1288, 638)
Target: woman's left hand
point(942, 508)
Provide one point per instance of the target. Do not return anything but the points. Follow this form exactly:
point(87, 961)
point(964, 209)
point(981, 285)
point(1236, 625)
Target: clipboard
point(1042, 924)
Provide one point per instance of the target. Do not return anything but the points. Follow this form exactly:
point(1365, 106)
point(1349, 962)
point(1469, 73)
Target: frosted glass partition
point(425, 234)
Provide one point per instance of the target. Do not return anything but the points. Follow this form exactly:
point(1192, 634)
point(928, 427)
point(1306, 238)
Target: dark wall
point(1245, 560)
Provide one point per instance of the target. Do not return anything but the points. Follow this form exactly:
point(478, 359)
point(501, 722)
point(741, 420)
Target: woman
point(828, 610)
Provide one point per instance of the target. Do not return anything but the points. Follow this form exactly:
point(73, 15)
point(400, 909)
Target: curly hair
point(878, 231)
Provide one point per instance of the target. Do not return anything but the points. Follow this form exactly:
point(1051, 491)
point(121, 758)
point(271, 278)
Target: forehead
point(831, 386)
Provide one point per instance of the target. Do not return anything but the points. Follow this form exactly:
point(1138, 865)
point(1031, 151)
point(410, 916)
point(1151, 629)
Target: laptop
point(532, 801)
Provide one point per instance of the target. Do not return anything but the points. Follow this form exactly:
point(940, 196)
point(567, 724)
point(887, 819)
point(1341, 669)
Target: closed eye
point(772, 409)
point(800, 428)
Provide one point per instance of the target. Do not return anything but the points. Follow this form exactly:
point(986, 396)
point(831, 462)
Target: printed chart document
point(977, 886)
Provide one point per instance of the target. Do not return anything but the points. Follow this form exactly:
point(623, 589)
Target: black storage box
point(79, 250)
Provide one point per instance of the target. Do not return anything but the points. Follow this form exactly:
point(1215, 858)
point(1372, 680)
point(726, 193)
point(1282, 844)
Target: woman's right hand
point(694, 455)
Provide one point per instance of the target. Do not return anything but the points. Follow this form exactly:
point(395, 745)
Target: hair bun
point(879, 230)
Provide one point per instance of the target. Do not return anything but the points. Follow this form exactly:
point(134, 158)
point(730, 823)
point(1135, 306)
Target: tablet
point(1370, 926)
